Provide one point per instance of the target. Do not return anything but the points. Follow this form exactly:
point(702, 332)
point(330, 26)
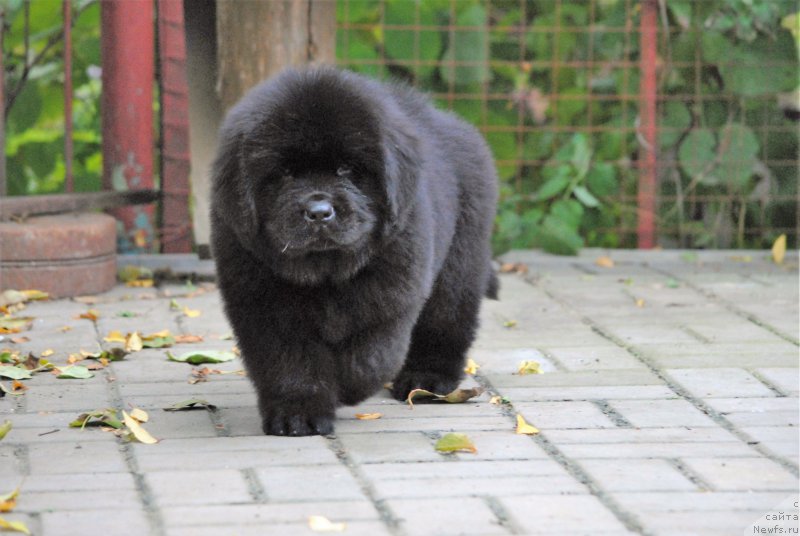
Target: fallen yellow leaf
point(48, 352)
point(17, 385)
point(529, 367)
point(91, 314)
point(115, 336)
point(133, 342)
point(779, 249)
point(639, 302)
point(191, 313)
point(368, 416)
point(64, 329)
point(136, 429)
point(510, 324)
point(140, 283)
point(185, 339)
point(525, 428)
point(157, 335)
point(8, 501)
point(604, 262)
point(139, 414)
point(323, 524)
point(472, 367)
point(18, 526)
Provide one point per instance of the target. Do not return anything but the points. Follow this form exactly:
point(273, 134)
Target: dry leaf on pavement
point(529, 367)
point(779, 249)
point(323, 524)
point(454, 442)
point(368, 416)
point(525, 428)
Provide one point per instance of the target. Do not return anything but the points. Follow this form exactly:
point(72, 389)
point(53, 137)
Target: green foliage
point(35, 119)
point(564, 186)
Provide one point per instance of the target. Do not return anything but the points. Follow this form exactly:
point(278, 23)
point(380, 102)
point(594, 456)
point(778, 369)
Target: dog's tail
point(493, 286)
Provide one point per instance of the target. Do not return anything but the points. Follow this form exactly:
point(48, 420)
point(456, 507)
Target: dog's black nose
point(319, 211)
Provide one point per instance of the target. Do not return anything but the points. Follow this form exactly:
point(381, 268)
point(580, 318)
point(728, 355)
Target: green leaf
point(552, 188)
point(676, 120)
point(468, 46)
point(405, 45)
point(99, 417)
point(738, 151)
point(742, 64)
point(559, 237)
point(585, 197)
point(602, 179)
point(568, 211)
point(75, 372)
point(205, 356)
point(14, 373)
point(455, 443)
point(696, 153)
point(158, 342)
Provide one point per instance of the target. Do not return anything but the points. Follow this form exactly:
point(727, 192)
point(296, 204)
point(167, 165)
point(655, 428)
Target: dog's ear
point(400, 174)
point(233, 193)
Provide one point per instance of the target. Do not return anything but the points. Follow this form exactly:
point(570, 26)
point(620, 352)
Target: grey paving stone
point(577, 414)
point(446, 516)
point(126, 520)
point(355, 528)
point(698, 501)
point(76, 457)
point(267, 514)
point(661, 413)
point(786, 379)
point(592, 392)
point(699, 355)
point(719, 382)
point(597, 358)
point(758, 411)
point(309, 483)
point(735, 474)
point(636, 474)
point(562, 514)
point(198, 487)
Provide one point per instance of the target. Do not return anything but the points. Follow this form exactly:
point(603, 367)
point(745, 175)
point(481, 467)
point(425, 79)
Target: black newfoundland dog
point(350, 228)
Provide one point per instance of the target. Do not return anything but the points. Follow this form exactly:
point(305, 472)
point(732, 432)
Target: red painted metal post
point(175, 161)
point(127, 47)
point(646, 196)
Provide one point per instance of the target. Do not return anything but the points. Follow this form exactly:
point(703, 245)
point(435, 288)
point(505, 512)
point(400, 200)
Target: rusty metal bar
point(69, 185)
point(646, 196)
point(128, 52)
point(175, 155)
point(32, 205)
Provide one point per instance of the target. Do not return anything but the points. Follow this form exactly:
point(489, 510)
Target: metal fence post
point(127, 46)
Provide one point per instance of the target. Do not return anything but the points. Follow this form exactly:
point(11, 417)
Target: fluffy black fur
point(384, 281)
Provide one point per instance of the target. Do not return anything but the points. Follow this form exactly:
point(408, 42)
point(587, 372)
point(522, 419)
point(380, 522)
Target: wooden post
point(175, 217)
point(256, 39)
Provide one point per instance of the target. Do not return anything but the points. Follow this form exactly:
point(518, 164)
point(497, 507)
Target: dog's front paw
point(294, 421)
point(408, 380)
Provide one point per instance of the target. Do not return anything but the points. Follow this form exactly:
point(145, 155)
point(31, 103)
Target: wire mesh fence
point(556, 87)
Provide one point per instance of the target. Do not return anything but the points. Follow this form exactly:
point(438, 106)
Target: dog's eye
point(342, 171)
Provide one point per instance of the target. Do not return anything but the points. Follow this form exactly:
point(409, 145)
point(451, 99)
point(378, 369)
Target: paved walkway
point(668, 405)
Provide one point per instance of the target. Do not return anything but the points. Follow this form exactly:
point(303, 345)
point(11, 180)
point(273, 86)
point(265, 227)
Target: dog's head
point(313, 170)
